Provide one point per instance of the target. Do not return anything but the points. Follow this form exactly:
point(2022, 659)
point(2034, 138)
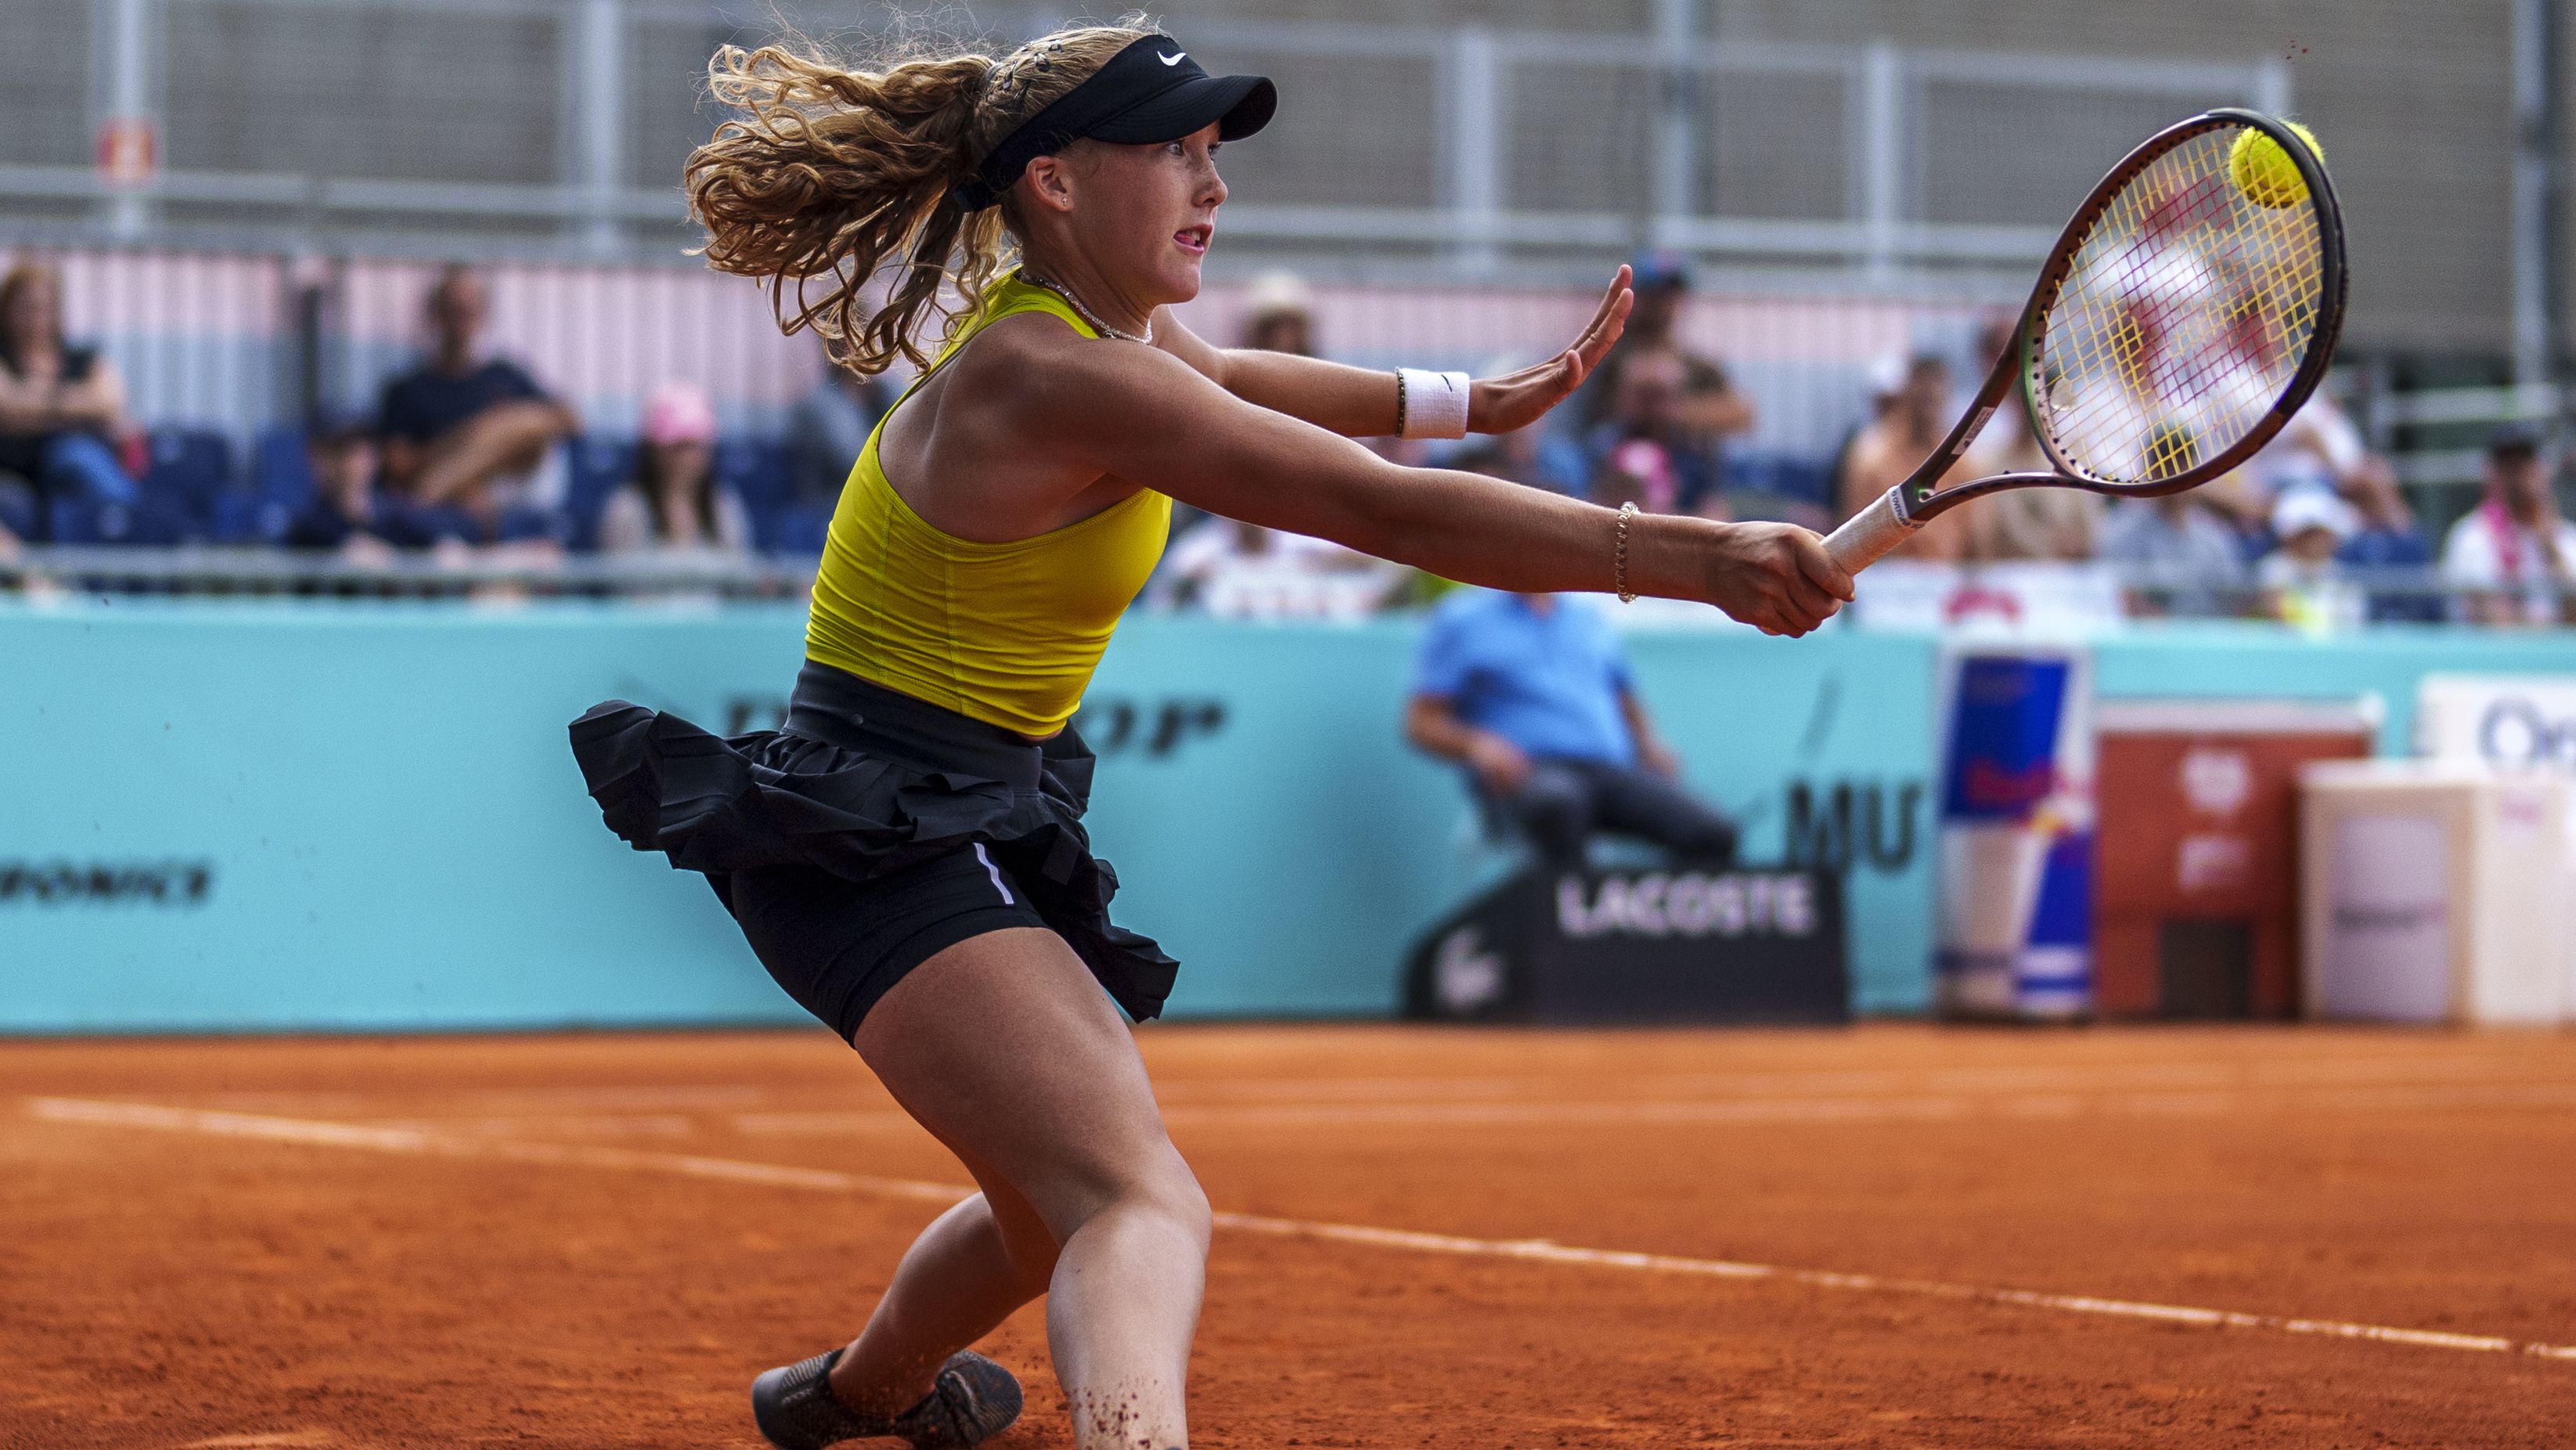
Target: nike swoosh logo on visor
point(1169, 59)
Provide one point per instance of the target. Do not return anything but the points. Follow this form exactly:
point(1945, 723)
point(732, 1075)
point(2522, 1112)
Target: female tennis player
point(906, 855)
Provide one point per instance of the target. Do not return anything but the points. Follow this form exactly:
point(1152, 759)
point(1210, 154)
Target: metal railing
point(500, 575)
point(555, 127)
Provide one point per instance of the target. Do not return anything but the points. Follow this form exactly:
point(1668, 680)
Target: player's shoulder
point(1040, 358)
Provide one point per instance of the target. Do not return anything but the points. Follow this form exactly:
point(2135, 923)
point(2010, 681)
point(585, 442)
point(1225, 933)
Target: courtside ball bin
point(2196, 889)
point(2015, 934)
point(2434, 891)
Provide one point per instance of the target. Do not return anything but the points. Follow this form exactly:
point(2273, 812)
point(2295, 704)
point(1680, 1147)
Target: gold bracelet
point(1619, 556)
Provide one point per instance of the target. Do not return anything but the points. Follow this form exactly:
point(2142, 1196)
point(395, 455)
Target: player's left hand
point(1516, 400)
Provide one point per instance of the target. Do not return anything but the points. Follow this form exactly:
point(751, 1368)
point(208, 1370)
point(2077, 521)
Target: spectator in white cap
point(2303, 583)
point(1279, 314)
point(673, 503)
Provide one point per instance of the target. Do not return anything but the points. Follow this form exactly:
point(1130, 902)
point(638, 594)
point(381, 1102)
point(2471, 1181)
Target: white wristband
point(1435, 404)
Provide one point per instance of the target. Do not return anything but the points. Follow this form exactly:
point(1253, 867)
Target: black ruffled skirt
point(864, 781)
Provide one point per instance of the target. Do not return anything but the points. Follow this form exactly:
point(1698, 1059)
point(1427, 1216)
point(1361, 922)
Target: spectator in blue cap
point(1692, 431)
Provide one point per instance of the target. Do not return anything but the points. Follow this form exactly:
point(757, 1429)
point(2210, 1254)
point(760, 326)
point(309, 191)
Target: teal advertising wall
point(269, 817)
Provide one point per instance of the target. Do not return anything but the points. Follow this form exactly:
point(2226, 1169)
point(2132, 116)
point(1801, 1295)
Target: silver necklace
point(1059, 289)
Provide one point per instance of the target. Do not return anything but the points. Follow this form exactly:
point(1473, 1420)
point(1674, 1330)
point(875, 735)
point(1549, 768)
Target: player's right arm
point(1141, 415)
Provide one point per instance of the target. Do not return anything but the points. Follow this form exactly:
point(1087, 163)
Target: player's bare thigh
point(1007, 1049)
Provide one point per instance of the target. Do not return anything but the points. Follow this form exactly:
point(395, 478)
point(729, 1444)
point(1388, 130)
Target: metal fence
point(558, 127)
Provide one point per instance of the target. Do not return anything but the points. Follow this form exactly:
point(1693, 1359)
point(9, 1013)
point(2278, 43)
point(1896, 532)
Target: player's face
point(1150, 212)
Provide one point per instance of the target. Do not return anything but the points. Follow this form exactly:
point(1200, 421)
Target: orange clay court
point(1895, 1235)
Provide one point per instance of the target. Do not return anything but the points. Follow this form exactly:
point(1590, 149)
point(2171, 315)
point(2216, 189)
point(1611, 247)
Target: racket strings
point(2185, 315)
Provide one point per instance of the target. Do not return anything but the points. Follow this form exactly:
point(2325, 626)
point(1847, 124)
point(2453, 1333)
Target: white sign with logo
point(2517, 722)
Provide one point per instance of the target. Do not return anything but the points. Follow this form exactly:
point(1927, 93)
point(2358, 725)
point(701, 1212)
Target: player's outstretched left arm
point(1360, 402)
point(1142, 416)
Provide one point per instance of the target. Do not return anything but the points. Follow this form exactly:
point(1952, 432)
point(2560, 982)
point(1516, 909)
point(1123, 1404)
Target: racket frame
point(1919, 499)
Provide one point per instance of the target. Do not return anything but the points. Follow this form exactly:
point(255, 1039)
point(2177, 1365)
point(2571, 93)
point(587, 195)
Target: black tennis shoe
point(973, 1400)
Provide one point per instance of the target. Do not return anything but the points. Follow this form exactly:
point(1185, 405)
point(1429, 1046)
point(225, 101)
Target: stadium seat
point(757, 472)
point(189, 470)
point(87, 522)
point(599, 467)
point(1782, 475)
point(17, 506)
point(281, 484)
point(797, 528)
point(521, 522)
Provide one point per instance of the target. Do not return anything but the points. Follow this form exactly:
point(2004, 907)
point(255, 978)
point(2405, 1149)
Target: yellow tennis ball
point(2263, 170)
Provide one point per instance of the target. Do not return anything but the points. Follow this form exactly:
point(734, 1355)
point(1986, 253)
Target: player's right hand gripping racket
point(2187, 311)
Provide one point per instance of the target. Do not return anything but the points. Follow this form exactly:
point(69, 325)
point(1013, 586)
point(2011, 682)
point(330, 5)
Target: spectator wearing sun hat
point(673, 505)
point(2303, 581)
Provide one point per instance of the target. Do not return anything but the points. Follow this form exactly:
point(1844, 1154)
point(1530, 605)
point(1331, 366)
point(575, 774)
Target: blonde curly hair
point(840, 173)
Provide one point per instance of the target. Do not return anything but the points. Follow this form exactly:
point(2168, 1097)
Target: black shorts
point(837, 945)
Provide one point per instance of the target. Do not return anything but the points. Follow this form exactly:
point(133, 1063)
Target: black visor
point(1151, 91)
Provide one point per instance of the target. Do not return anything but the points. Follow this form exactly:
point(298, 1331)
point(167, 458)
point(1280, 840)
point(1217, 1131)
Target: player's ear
point(1048, 182)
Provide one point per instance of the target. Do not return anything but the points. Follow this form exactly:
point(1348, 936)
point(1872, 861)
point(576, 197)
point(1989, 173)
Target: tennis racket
point(2186, 312)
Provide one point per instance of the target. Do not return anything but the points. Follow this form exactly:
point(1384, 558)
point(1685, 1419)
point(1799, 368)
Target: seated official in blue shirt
point(1531, 692)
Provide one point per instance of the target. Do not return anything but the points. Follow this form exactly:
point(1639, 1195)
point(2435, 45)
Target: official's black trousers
point(1564, 802)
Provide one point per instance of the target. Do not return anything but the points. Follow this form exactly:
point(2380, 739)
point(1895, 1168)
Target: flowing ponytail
point(837, 173)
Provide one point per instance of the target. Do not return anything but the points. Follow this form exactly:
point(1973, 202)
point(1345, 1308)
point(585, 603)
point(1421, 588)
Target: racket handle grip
point(1869, 534)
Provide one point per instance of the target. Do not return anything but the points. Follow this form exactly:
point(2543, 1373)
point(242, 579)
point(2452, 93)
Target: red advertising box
point(2197, 876)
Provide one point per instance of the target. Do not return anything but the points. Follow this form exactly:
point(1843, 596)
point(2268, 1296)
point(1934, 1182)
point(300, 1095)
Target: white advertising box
point(2508, 721)
point(2434, 891)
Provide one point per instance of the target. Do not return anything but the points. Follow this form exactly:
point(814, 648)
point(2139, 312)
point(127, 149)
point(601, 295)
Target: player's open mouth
point(1194, 240)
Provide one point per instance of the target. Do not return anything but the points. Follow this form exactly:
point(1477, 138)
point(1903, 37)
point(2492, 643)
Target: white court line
point(1855, 1109)
point(415, 1141)
point(2105, 1077)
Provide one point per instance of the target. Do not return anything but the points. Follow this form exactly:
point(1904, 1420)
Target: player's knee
point(1176, 1197)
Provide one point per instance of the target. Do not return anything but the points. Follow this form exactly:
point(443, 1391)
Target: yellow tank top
point(1003, 633)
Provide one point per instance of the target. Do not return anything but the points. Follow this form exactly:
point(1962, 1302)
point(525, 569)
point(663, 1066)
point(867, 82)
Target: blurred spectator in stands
point(1279, 314)
point(1532, 693)
point(673, 505)
point(1646, 452)
point(2386, 537)
point(2180, 557)
point(62, 408)
point(1708, 410)
point(2060, 525)
point(2303, 581)
point(1888, 450)
point(1530, 455)
point(456, 429)
point(2318, 449)
point(347, 513)
point(828, 429)
point(2513, 554)
point(1236, 570)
